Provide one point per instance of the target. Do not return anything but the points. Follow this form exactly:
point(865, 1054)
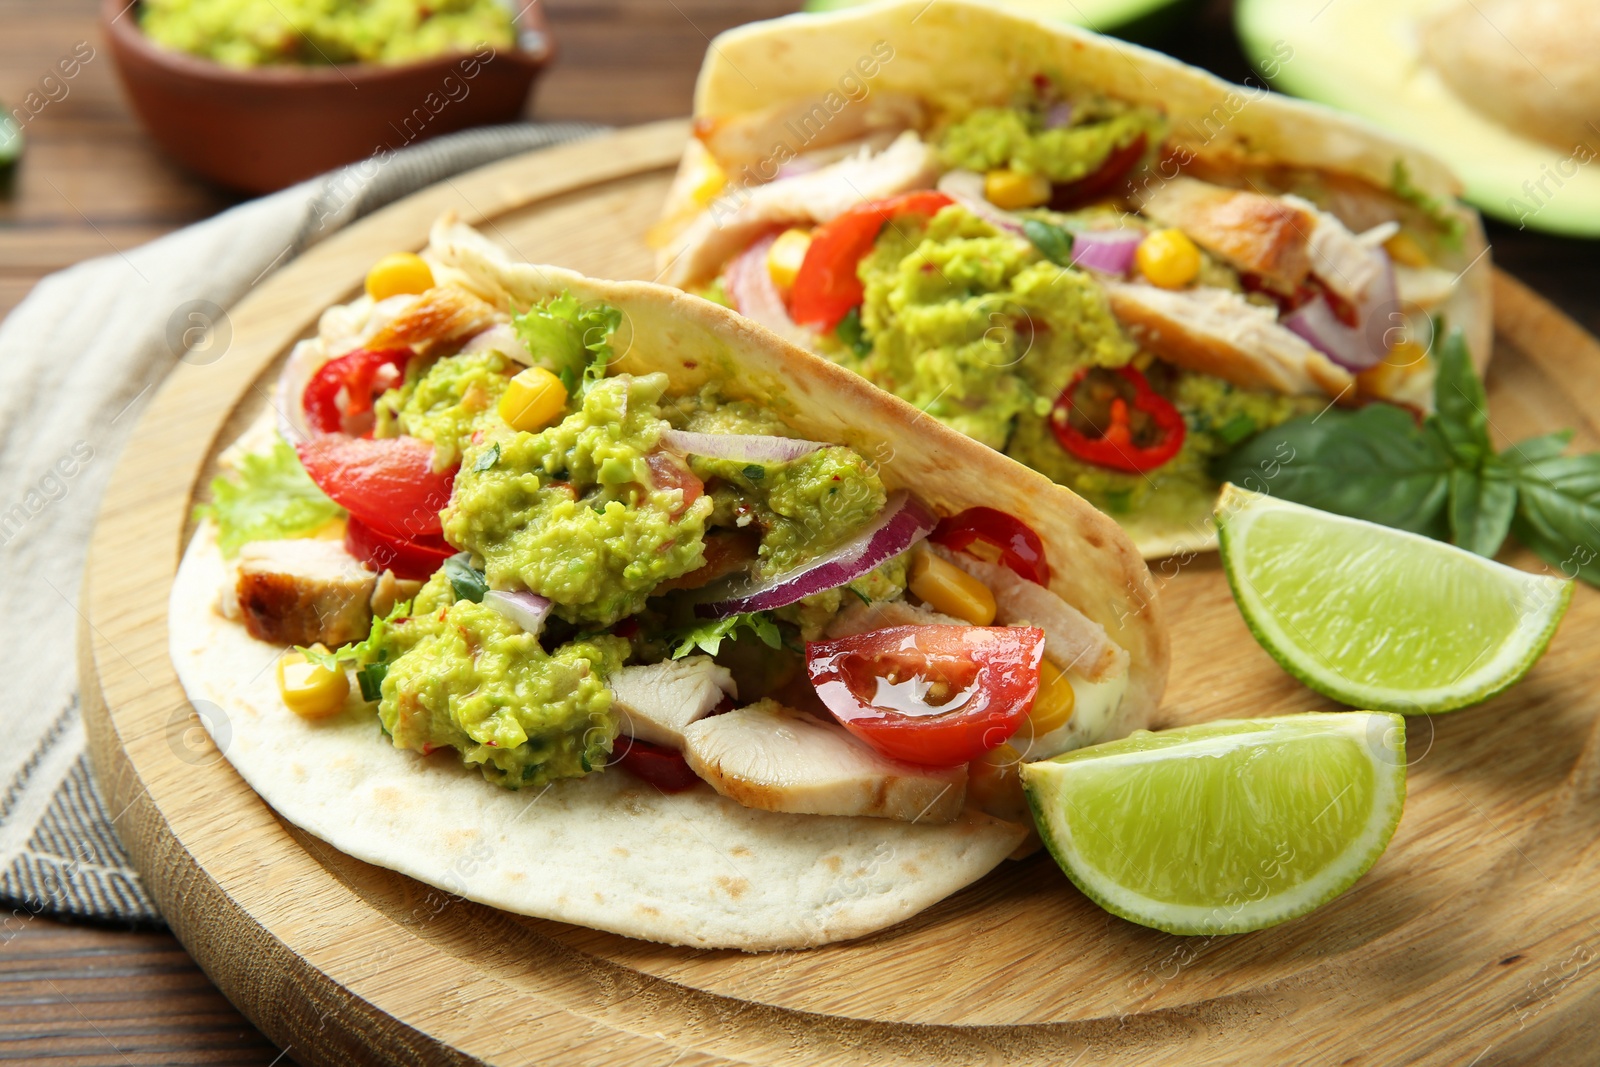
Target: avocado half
point(1132, 20)
point(1370, 57)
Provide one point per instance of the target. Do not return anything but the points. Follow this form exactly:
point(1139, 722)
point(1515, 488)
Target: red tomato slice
point(389, 484)
point(357, 376)
point(934, 695)
point(998, 538)
point(663, 768)
point(827, 286)
point(417, 558)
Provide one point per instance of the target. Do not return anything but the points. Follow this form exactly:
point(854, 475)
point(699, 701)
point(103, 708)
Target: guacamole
point(463, 675)
point(258, 33)
point(1022, 138)
point(976, 327)
point(446, 403)
point(574, 512)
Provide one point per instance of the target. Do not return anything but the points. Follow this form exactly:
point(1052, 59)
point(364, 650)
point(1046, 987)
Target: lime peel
point(1375, 617)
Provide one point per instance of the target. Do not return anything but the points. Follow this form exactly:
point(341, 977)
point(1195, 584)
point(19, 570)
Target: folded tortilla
point(607, 850)
point(835, 79)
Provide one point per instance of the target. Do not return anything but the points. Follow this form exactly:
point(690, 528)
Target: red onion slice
point(1059, 117)
point(289, 399)
point(1106, 251)
point(965, 187)
point(499, 338)
point(1353, 348)
point(527, 610)
point(756, 296)
point(903, 522)
point(742, 447)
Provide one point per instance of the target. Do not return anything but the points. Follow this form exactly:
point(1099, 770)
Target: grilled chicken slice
point(741, 214)
point(656, 703)
point(1266, 235)
point(1217, 332)
point(859, 618)
point(304, 591)
point(771, 757)
point(1072, 640)
point(443, 313)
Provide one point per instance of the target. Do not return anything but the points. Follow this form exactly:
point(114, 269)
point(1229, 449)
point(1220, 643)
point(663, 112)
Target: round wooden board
point(1473, 940)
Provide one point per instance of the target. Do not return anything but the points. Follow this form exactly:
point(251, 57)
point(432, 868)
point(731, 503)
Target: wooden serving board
point(1474, 939)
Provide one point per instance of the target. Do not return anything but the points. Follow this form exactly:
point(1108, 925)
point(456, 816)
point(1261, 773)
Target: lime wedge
point(1227, 826)
point(1380, 618)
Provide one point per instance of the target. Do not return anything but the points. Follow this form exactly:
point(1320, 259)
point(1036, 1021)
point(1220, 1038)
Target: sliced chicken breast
point(1218, 332)
point(656, 703)
point(1265, 235)
point(859, 618)
point(773, 758)
point(303, 592)
point(741, 214)
point(1072, 640)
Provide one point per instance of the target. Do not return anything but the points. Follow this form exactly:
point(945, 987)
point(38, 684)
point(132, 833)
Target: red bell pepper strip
point(415, 558)
point(996, 537)
point(354, 374)
point(827, 286)
point(1136, 433)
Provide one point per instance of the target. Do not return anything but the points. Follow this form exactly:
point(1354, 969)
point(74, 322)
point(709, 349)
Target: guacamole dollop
point(464, 676)
point(258, 33)
point(976, 327)
point(446, 403)
point(1017, 138)
point(574, 512)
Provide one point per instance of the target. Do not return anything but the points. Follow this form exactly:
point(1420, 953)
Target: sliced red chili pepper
point(1125, 426)
point(352, 374)
point(995, 536)
point(1069, 196)
point(662, 767)
point(415, 558)
point(826, 287)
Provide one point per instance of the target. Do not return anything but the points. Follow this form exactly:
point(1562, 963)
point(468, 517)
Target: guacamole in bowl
point(261, 33)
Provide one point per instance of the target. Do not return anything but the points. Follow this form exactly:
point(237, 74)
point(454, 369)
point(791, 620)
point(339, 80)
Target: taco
point(1108, 265)
point(594, 601)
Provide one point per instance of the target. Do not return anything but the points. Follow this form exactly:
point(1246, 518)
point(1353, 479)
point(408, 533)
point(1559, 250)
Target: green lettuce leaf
point(709, 635)
point(269, 498)
point(572, 340)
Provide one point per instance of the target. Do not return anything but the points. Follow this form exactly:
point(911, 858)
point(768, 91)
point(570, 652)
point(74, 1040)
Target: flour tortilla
point(965, 53)
point(606, 850)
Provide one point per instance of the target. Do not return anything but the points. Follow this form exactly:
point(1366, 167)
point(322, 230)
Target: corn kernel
point(311, 691)
point(399, 274)
point(1013, 190)
point(1053, 707)
point(711, 180)
point(1168, 258)
point(950, 590)
point(1404, 250)
point(534, 399)
point(1404, 359)
point(786, 255)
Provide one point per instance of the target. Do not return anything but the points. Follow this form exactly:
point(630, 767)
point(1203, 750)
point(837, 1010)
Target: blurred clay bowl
point(262, 129)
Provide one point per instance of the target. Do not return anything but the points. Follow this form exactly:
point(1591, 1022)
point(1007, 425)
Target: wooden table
point(93, 183)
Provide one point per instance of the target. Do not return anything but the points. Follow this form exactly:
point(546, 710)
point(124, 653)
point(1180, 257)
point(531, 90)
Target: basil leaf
point(1535, 449)
point(852, 334)
point(467, 581)
point(1053, 242)
point(1558, 512)
point(1458, 397)
point(1374, 464)
point(487, 459)
point(1482, 504)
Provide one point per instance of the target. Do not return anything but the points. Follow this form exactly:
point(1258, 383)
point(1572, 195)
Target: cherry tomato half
point(1114, 419)
point(998, 538)
point(827, 286)
point(358, 376)
point(389, 483)
point(415, 558)
point(1102, 182)
point(662, 767)
point(934, 695)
